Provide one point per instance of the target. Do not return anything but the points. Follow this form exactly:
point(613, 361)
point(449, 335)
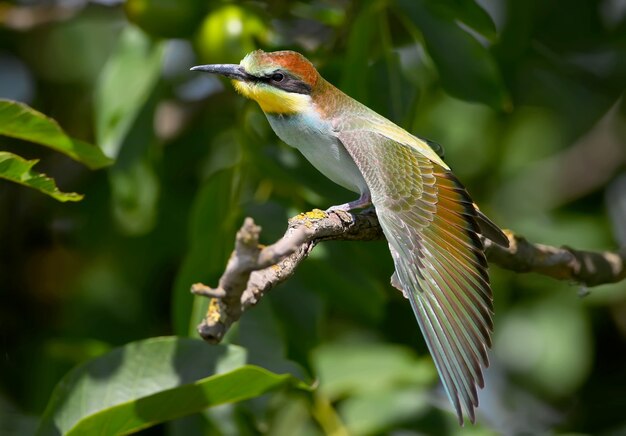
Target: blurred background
point(524, 95)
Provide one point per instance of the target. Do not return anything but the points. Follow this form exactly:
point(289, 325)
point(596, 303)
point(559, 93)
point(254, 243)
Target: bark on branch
point(253, 269)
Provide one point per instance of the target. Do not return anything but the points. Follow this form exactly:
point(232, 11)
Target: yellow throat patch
point(272, 100)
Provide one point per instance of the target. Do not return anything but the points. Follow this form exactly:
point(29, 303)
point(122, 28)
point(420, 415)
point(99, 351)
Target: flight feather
point(432, 228)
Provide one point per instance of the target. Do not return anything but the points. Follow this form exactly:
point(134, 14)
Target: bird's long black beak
point(232, 71)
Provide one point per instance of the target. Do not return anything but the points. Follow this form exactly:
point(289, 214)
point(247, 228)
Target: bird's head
point(281, 81)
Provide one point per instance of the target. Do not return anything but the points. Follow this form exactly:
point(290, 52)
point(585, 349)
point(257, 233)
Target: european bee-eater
point(429, 220)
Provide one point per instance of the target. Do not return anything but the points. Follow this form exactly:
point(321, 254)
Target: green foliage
point(165, 18)
point(126, 82)
point(467, 69)
point(18, 170)
point(228, 33)
point(469, 13)
point(525, 99)
point(215, 209)
point(17, 120)
point(379, 383)
point(151, 381)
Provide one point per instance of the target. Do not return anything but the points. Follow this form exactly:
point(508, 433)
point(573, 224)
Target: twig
point(589, 268)
point(253, 270)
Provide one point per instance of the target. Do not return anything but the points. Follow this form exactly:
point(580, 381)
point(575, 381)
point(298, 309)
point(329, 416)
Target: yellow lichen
point(315, 214)
point(213, 314)
point(306, 217)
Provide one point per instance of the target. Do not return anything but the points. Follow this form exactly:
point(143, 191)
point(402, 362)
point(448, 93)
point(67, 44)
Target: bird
point(431, 224)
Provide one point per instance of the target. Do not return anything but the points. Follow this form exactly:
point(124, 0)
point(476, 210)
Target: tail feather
point(490, 230)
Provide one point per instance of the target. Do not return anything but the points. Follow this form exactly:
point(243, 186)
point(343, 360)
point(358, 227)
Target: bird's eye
point(278, 77)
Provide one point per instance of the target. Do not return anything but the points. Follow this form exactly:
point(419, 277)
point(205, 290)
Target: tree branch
point(252, 269)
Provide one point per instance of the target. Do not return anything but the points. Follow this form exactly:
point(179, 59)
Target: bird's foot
point(363, 201)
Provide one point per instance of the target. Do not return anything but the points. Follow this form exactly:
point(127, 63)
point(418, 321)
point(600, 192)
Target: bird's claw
point(363, 201)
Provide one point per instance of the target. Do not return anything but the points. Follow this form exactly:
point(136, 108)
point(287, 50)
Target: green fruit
point(228, 33)
point(166, 18)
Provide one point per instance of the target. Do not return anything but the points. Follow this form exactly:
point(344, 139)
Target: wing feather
point(432, 228)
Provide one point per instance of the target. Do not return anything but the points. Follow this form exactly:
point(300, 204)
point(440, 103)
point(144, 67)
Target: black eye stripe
point(287, 82)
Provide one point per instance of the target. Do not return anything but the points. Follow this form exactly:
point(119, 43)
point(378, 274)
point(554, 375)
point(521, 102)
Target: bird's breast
point(315, 139)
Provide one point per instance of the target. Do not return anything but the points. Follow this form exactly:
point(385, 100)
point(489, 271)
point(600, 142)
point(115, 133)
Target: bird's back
point(347, 114)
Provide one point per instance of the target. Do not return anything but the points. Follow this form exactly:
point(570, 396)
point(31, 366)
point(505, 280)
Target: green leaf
point(548, 360)
point(19, 170)
point(373, 412)
point(124, 87)
point(13, 421)
point(359, 47)
point(348, 368)
point(467, 69)
point(377, 384)
point(18, 120)
point(152, 381)
point(469, 13)
point(352, 282)
point(134, 194)
point(215, 217)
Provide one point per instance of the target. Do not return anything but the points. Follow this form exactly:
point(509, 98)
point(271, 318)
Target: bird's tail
point(489, 229)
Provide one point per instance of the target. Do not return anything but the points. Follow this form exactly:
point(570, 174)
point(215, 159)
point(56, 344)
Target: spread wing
point(431, 226)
